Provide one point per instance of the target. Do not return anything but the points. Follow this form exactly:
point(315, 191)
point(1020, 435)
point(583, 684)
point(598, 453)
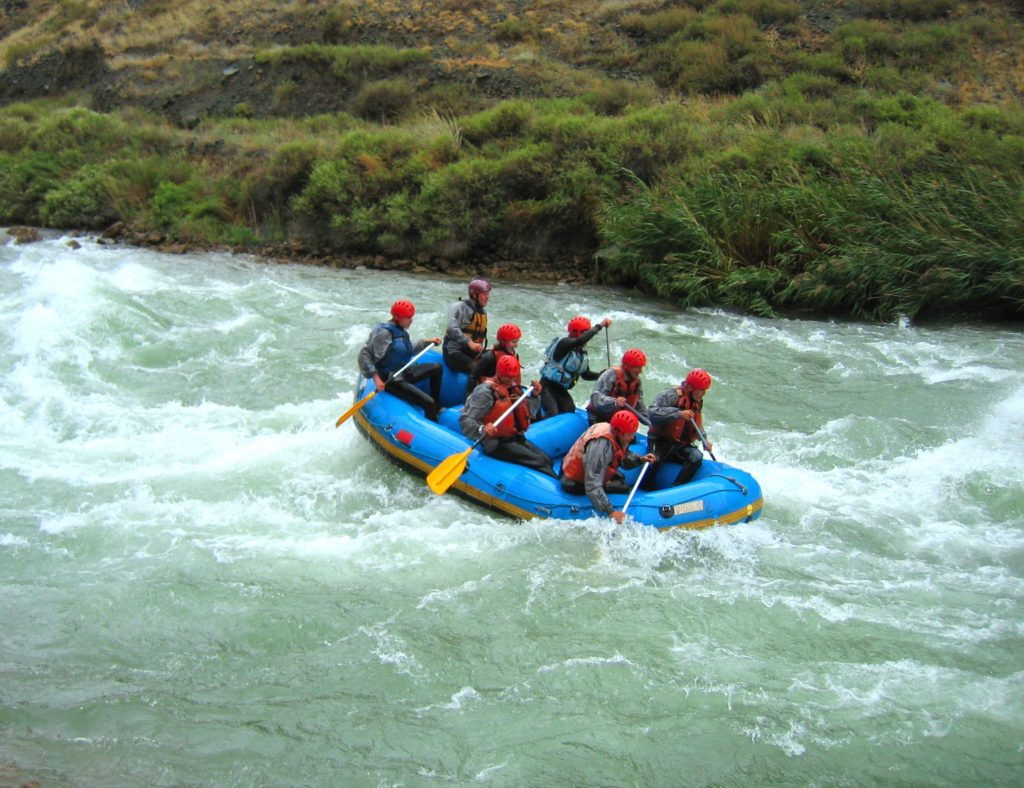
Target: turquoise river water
point(203, 582)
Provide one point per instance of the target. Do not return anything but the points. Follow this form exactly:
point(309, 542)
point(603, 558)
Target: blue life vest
point(399, 351)
point(567, 371)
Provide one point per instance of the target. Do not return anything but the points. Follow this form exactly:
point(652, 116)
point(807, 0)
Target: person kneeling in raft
point(591, 466)
point(389, 349)
point(505, 441)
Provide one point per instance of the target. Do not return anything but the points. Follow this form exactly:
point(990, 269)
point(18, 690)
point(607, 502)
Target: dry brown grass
point(431, 125)
point(578, 35)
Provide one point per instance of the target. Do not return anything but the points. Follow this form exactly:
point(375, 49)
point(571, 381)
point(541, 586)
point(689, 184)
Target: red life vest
point(630, 389)
point(573, 465)
point(518, 422)
point(680, 430)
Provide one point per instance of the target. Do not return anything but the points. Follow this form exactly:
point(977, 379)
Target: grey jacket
point(596, 459)
point(664, 408)
point(376, 348)
point(602, 404)
point(459, 316)
point(479, 404)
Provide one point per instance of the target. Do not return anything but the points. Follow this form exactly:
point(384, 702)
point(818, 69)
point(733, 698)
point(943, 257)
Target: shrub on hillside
point(913, 10)
point(14, 133)
point(348, 198)
point(384, 101)
point(192, 210)
point(718, 54)
point(513, 29)
point(25, 179)
point(132, 182)
point(612, 98)
point(89, 134)
point(82, 201)
point(647, 141)
point(349, 63)
point(659, 25)
point(764, 12)
point(336, 23)
point(476, 203)
point(505, 120)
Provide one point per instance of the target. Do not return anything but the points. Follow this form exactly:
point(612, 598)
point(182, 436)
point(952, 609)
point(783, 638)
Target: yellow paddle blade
point(448, 471)
point(348, 413)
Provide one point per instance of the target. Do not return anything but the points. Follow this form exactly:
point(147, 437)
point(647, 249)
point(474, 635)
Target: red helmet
point(508, 332)
point(478, 286)
point(508, 366)
point(401, 309)
point(624, 421)
point(578, 325)
point(698, 379)
point(634, 358)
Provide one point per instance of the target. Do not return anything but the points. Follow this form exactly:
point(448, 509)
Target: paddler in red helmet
point(591, 466)
point(672, 435)
point(507, 440)
point(389, 348)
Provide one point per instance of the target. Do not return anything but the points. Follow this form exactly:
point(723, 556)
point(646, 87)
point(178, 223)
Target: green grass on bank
point(915, 209)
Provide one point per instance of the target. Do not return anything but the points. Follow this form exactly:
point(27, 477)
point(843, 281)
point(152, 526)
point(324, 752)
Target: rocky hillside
point(187, 60)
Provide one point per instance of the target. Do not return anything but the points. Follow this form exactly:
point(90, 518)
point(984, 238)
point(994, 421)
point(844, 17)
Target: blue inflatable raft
point(718, 495)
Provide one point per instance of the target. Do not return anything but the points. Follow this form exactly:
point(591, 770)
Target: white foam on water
point(172, 441)
point(437, 599)
point(142, 430)
point(900, 702)
point(392, 650)
point(134, 277)
point(488, 773)
point(459, 700)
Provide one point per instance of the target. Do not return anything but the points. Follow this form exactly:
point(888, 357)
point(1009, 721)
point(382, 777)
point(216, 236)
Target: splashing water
point(204, 582)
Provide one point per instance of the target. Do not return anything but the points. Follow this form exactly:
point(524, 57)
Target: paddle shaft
point(643, 419)
point(703, 440)
point(636, 486)
point(607, 346)
point(412, 361)
point(451, 467)
point(348, 413)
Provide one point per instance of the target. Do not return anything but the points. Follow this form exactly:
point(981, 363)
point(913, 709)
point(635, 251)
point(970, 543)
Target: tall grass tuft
point(947, 240)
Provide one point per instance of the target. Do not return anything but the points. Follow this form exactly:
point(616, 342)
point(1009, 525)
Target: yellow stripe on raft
point(497, 503)
point(426, 468)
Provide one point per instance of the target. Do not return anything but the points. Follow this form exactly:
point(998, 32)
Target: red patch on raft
point(404, 436)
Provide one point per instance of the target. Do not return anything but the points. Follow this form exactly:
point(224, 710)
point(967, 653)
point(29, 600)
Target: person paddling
point(565, 362)
point(591, 466)
point(466, 334)
point(676, 415)
point(619, 387)
point(488, 401)
point(389, 348)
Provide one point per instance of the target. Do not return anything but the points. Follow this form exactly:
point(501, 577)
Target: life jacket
point(500, 351)
point(630, 389)
point(476, 328)
point(680, 430)
point(399, 351)
point(567, 371)
point(573, 463)
point(518, 422)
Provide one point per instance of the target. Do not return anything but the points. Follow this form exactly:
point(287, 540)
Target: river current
point(203, 582)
